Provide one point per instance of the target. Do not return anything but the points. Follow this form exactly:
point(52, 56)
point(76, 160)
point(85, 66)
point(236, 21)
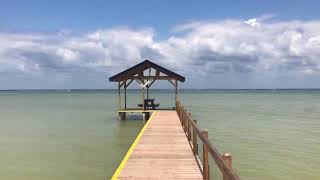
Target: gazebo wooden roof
point(136, 72)
point(142, 73)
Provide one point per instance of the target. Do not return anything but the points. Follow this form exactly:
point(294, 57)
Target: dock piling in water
point(122, 115)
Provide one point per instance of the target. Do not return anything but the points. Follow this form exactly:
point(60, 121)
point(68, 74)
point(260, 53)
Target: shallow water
point(272, 134)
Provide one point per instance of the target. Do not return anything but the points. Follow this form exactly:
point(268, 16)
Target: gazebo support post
point(176, 90)
point(145, 116)
point(125, 94)
point(119, 96)
point(122, 115)
point(143, 108)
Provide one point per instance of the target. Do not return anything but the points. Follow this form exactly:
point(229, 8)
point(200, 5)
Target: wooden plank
point(163, 151)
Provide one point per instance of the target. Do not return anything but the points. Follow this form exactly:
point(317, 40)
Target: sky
point(214, 44)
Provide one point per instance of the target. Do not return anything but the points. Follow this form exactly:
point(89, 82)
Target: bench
point(149, 104)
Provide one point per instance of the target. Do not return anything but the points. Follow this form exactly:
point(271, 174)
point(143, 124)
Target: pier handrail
point(224, 162)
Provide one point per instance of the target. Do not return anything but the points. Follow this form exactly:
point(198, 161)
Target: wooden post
point(143, 108)
point(125, 94)
point(186, 123)
point(180, 112)
point(189, 127)
point(144, 117)
point(194, 140)
point(176, 90)
point(184, 119)
point(177, 109)
point(147, 115)
point(228, 159)
point(205, 158)
point(122, 115)
point(119, 96)
point(182, 115)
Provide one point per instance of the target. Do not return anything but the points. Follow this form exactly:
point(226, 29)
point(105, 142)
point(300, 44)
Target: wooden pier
point(168, 145)
point(161, 152)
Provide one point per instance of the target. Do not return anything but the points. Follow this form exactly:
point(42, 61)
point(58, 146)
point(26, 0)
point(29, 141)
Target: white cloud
point(256, 46)
point(68, 54)
point(252, 22)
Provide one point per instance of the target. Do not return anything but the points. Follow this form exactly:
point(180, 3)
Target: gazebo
point(145, 73)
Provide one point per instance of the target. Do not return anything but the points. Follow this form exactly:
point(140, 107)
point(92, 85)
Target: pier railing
point(223, 162)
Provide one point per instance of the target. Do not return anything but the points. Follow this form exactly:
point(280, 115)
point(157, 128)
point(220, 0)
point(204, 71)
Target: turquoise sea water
point(272, 134)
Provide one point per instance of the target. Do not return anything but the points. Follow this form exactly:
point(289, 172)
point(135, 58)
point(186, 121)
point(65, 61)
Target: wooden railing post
point(182, 116)
point(205, 157)
point(184, 119)
point(177, 105)
point(228, 159)
point(194, 140)
point(180, 113)
point(189, 127)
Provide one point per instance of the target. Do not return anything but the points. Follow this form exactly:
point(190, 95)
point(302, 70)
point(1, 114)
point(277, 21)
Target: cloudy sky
point(216, 44)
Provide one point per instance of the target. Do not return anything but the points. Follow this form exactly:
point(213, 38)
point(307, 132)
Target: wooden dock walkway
point(161, 151)
point(168, 145)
